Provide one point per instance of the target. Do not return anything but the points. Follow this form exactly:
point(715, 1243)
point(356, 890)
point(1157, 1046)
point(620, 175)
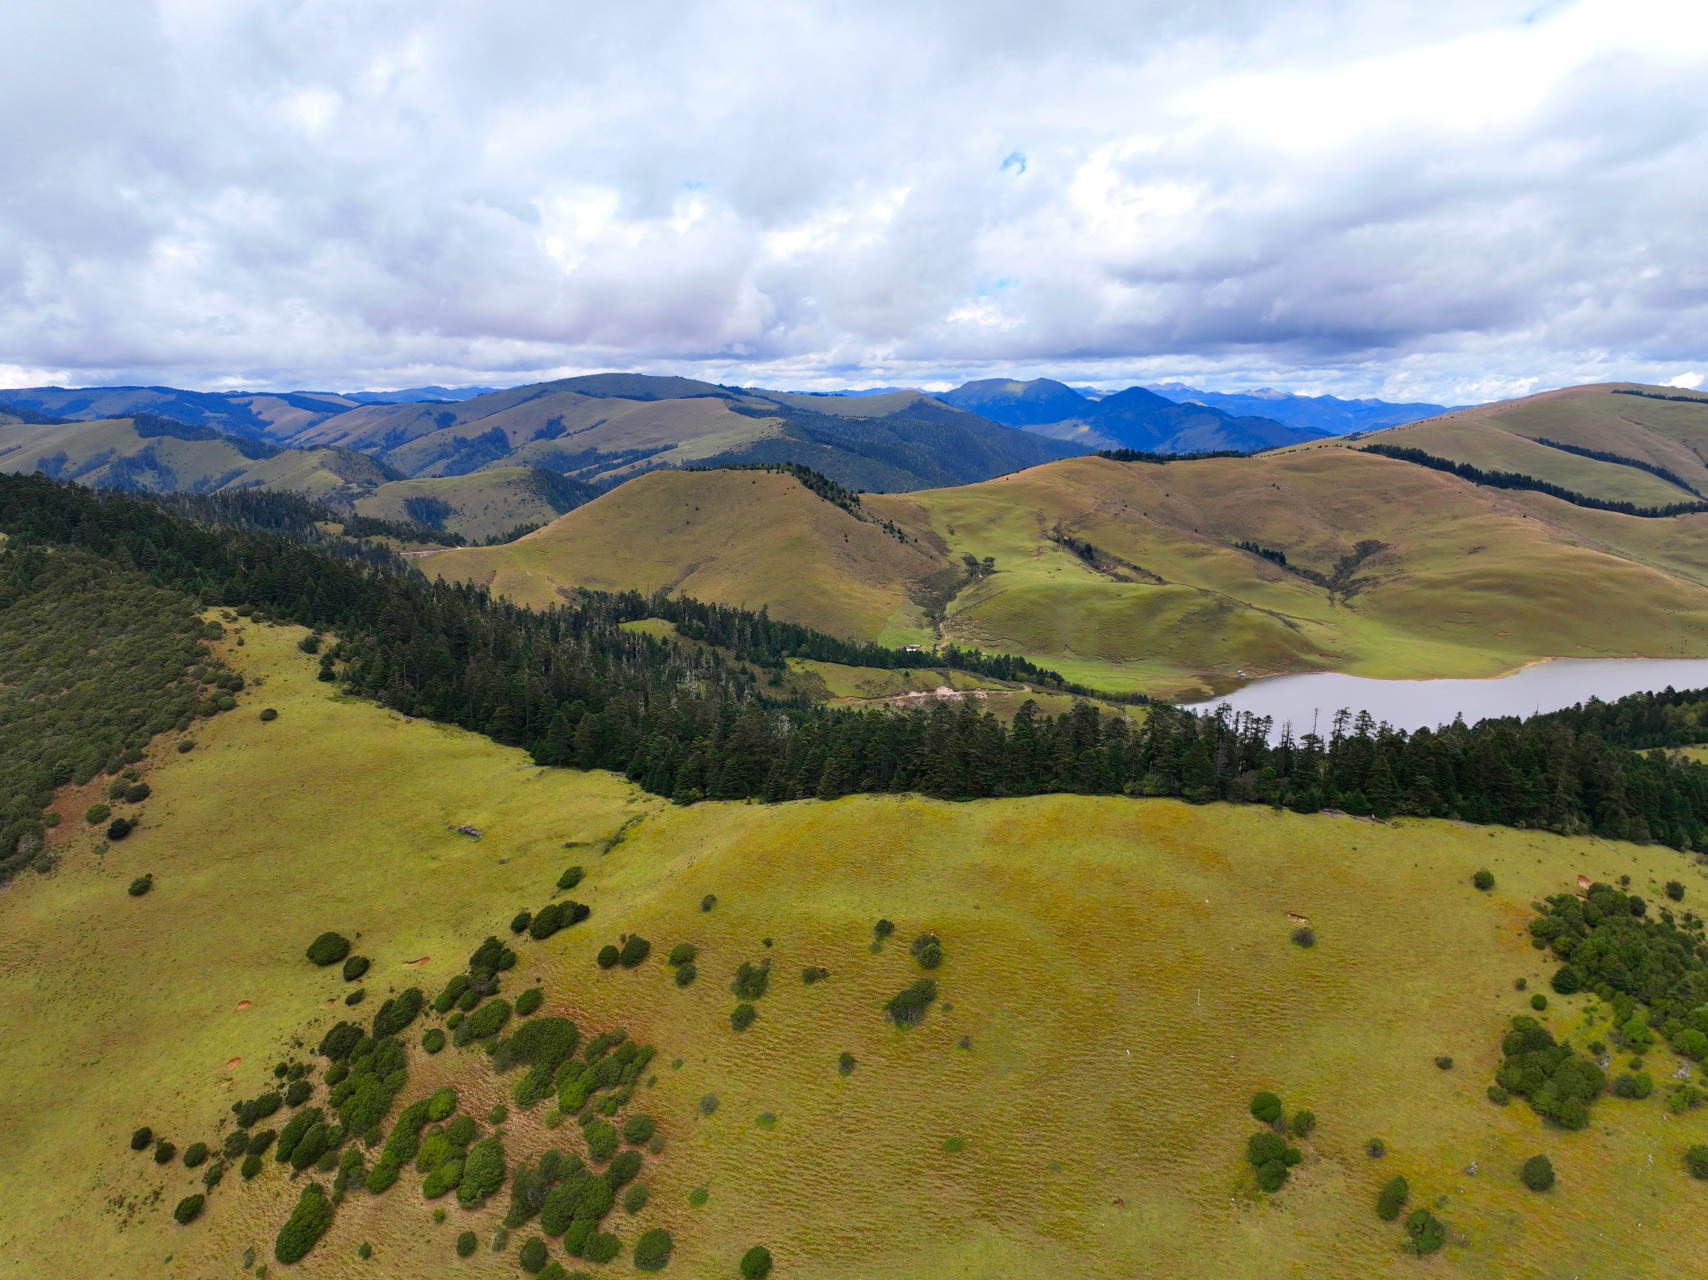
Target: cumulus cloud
point(1449, 200)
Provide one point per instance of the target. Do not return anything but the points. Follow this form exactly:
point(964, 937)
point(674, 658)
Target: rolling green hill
point(480, 505)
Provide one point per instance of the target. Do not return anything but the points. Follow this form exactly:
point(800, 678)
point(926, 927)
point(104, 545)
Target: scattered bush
point(1303, 1123)
point(96, 814)
point(634, 951)
point(883, 929)
point(682, 953)
point(1566, 980)
point(483, 1172)
point(260, 1108)
point(398, 1012)
point(1484, 880)
point(607, 957)
point(635, 1198)
point(298, 1093)
point(1498, 1095)
point(519, 922)
point(1538, 1002)
point(637, 1129)
point(137, 793)
point(1266, 1107)
point(756, 1263)
point(741, 1018)
point(1538, 1173)
point(328, 948)
point(356, 997)
point(259, 1142)
point(443, 1002)
point(338, 1043)
point(652, 1250)
point(441, 1104)
point(1696, 1160)
point(188, 1210)
point(1392, 1199)
point(186, 746)
point(236, 1143)
point(1304, 936)
point(1555, 1081)
point(118, 829)
point(308, 1222)
point(601, 1140)
point(708, 1104)
point(751, 980)
point(294, 1132)
point(466, 1244)
point(907, 1008)
point(142, 1139)
point(708, 902)
point(1424, 1233)
point(1273, 1176)
point(532, 1256)
point(1675, 890)
point(355, 967)
point(813, 973)
point(195, 1154)
point(1375, 1148)
point(250, 1167)
point(927, 948)
point(434, 1040)
point(570, 878)
point(624, 1169)
point(601, 1247)
point(165, 1152)
point(558, 915)
point(528, 1001)
point(1444, 1062)
point(845, 1063)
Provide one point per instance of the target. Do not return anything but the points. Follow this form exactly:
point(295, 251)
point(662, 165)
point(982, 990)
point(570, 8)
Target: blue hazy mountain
point(1328, 414)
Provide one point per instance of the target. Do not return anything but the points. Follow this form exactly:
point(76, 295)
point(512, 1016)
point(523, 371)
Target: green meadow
point(1117, 982)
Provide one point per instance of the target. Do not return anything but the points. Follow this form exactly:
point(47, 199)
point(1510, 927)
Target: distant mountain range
point(1328, 414)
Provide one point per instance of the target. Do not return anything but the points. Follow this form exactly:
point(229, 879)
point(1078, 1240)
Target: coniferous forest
point(707, 713)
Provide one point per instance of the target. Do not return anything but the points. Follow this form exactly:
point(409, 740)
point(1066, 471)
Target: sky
point(1448, 201)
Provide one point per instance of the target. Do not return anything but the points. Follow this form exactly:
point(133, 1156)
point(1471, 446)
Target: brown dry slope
point(739, 537)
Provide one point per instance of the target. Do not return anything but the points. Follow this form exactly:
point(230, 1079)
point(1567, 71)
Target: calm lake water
point(1414, 704)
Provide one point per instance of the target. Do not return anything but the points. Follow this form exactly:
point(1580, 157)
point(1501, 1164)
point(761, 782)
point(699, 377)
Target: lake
point(1414, 704)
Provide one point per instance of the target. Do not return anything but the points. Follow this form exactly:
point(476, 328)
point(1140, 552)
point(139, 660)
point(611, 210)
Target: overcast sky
point(1450, 200)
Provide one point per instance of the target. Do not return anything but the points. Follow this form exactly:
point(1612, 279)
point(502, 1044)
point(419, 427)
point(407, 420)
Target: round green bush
point(756, 1263)
point(299, 1092)
point(607, 956)
point(1538, 1173)
point(250, 1167)
point(1392, 1199)
point(708, 902)
point(442, 1103)
point(1566, 979)
point(1675, 890)
point(743, 1015)
point(118, 829)
point(1484, 880)
point(355, 967)
point(357, 996)
point(532, 1256)
point(528, 1001)
point(188, 1210)
point(138, 793)
point(601, 1248)
point(652, 1250)
point(845, 1063)
point(682, 953)
point(708, 1104)
point(1424, 1233)
point(96, 814)
point(520, 921)
point(141, 885)
point(1272, 1176)
point(1696, 1160)
point(635, 1198)
point(570, 878)
point(1375, 1148)
point(634, 951)
point(186, 746)
point(601, 1140)
point(236, 1143)
point(195, 1154)
point(433, 1041)
point(637, 1129)
point(1303, 1123)
point(686, 973)
point(259, 1142)
point(1444, 1062)
point(141, 1139)
point(1264, 1146)
point(1520, 984)
point(466, 1244)
point(1266, 1107)
point(165, 1152)
point(1304, 936)
point(328, 948)
point(1538, 1002)
point(1498, 1095)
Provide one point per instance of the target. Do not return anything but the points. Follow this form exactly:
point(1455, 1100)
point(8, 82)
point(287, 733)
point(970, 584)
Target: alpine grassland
point(1071, 1097)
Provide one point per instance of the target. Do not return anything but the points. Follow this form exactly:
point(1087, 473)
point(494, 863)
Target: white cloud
point(1445, 200)
point(1686, 381)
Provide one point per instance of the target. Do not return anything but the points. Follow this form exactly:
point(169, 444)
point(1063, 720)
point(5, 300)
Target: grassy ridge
point(1120, 967)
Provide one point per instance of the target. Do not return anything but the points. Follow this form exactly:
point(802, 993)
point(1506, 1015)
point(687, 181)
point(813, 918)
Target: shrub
point(607, 956)
point(927, 948)
point(1424, 1233)
point(96, 814)
point(434, 1040)
point(519, 921)
point(1691, 1043)
point(165, 1152)
point(1272, 1176)
point(741, 1018)
point(601, 1247)
point(236, 1143)
point(635, 1198)
point(558, 915)
point(624, 1169)
point(601, 1140)
point(141, 885)
point(845, 1063)
point(195, 1154)
point(532, 1256)
point(328, 948)
point(442, 1103)
point(1264, 1146)
point(1538, 1173)
point(1484, 880)
point(1392, 1199)
point(1303, 1123)
point(570, 878)
point(1445, 1062)
point(686, 974)
point(298, 1093)
point(188, 1210)
point(466, 1244)
point(528, 1001)
point(295, 1130)
point(141, 1139)
point(1696, 1160)
point(307, 1223)
point(118, 829)
point(708, 902)
point(634, 951)
point(1640, 1085)
point(682, 953)
point(708, 1104)
point(1538, 1002)
point(637, 1129)
point(186, 746)
point(907, 1007)
point(756, 1263)
point(355, 967)
point(652, 1250)
point(398, 1012)
point(356, 997)
point(259, 1142)
point(338, 1043)
point(1375, 1148)
point(444, 1177)
point(443, 1002)
point(137, 793)
point(309, 643)
point(1566, 980)
point(1304, 936)
point(1675, 890)
point(250, 1167)
point(1498, 1095)
point(883, 929)
point(813, 973)
point(1266, 1107)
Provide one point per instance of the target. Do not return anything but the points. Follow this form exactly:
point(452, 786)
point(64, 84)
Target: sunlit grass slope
point(754, 537)
point(1463, 580)
point(482, 504)
point(1120, 971)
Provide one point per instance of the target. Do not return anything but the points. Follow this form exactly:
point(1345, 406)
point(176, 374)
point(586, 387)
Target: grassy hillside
point(720, 535)
point(481, 505)
point(1118, 971)
point(259, 416)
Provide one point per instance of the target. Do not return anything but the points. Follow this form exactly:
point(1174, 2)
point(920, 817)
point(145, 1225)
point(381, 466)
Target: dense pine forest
point(707, 713)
